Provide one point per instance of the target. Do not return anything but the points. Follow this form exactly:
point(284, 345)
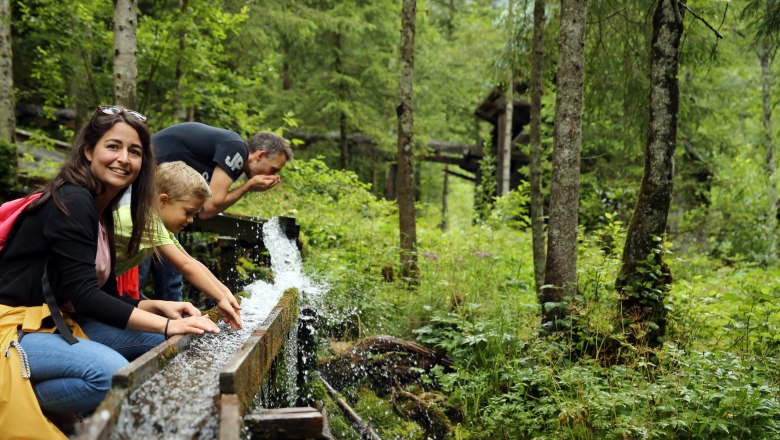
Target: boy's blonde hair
point(181, 182)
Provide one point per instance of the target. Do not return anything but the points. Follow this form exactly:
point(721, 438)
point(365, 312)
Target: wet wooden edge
point(125, 381)
point(146, 365)
point(241, 377)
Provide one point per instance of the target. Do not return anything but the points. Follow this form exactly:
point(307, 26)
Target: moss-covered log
point(380, 362)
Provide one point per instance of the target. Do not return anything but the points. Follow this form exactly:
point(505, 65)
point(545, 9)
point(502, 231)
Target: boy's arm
point(198, 275)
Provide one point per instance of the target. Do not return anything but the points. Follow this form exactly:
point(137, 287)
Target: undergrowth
point(714, 376)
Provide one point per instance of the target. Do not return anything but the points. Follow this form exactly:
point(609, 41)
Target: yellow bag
point(20, 414)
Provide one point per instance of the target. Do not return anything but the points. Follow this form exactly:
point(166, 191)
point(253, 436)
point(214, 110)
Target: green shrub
point(714, 378)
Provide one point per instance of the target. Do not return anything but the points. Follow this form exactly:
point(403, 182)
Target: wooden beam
point(246, 371)
point(148, 364)
point(230, 411)
point(289, 423)
point(462, 176)
point(24, 135)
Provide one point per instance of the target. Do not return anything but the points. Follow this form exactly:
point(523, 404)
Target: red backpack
point(9, 213)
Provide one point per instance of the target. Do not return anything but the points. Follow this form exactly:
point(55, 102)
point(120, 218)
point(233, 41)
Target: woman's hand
point(169, 309)
point(194, 324)
point(229, 312)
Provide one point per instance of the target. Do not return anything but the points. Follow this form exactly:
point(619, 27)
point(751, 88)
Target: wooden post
point(443, 224)
point(289, 423)
point(307, 350)
point(500, 142)
point(227, 262)
point(391, 179)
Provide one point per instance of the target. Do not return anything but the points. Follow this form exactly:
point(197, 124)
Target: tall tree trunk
point(537, 200)
point(343, 141)
point(7, 113)
point(178, 109)
point(644, 278)
point(286, 66)
point(766, 52)
point(561, 265)
point(405, 112)
point(444, 191)
point(506, 153)
point(8, 160)
point(765, 56)
point(343, 144)
point(766, 91)
point(125, 52)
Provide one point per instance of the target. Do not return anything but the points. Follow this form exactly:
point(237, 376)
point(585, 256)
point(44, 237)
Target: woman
point(68, 233)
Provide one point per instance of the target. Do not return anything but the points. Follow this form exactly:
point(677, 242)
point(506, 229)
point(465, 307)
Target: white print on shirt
point(235, 163)
point(206, 175)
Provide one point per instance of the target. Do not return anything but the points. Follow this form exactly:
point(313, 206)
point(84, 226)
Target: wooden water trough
point(241, 378)
point(239, 381)
point(243, 375)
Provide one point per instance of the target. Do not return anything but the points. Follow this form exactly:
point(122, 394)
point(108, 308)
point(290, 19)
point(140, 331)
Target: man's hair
point(270, 142)
point(181, 182)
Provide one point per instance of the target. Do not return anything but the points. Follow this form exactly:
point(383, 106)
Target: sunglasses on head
point(113, 110)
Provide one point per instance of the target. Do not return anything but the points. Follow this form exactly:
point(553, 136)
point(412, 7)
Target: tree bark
point(506, 152)
point(125, 52)
point(7, 114)
point(444, 191)
point(405, 113)
point(766, 92)
point(8, 154)
point(537, 200)
point(343, 141)
point(178, 109)
point(561, 265)
point(644, 278)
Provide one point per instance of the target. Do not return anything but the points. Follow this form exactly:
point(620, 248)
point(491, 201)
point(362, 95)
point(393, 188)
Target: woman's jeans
point(168, 282)
point(128, 343)
point(69, 378)
point(75, 378)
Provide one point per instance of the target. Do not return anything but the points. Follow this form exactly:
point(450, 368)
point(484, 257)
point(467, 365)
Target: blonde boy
point(182, 194)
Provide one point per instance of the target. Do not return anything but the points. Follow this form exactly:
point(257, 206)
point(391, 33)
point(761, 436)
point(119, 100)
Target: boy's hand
point(233, 302)
point(229, 313)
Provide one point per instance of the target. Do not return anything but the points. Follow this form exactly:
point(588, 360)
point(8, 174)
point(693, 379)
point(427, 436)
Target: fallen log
point(422, 409)
point(380, 362)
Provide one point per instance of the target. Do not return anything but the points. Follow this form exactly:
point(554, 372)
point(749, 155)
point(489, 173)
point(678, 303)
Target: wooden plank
point(229, 417)
point(247, 230)
point(288, 423)
point(145, 366)
point(100, 424)
point(103, 420)
point(246, 370)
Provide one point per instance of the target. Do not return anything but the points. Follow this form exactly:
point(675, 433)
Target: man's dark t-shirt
point(202, 147)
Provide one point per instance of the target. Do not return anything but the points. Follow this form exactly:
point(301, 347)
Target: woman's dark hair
point(77, 171)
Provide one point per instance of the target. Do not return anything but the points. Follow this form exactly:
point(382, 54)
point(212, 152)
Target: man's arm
point(222, 197)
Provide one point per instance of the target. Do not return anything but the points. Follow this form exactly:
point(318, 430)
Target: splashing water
point(179, 402)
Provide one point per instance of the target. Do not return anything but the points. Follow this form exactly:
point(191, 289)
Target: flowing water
point(179, 402)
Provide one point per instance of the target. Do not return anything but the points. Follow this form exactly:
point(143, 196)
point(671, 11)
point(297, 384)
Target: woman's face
point(117, 157)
